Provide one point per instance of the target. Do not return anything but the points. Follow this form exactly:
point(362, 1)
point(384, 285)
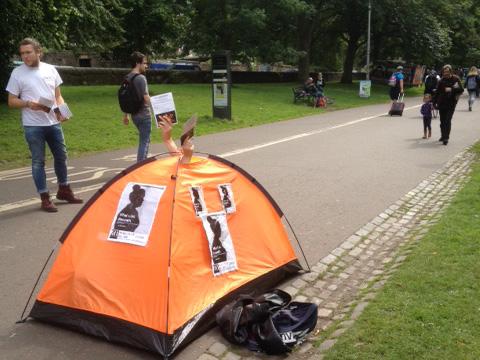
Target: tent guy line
point(34, 201)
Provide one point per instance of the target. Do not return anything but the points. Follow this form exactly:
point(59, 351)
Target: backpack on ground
point(321, 102)
point(268, 323)
point(128, 98)
point(392, 80)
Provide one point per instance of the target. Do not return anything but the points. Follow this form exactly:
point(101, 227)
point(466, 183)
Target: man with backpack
point(134, 100)
point(396, 83)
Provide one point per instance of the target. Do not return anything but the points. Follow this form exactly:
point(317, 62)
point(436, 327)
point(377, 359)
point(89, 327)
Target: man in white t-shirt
point(34, 87)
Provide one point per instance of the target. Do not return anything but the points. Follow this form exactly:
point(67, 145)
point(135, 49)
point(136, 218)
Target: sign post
point(221, 85)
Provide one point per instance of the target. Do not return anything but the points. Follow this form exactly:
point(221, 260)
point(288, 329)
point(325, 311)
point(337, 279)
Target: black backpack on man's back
point(128, 98)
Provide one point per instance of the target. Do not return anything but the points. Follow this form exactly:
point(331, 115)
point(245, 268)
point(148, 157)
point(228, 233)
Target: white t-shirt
point(29, 84)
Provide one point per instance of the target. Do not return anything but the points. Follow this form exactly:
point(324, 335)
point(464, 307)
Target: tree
point(351, 24)
point(154, 27)
point(19, 20)
point(92, 25)
point(227, 25)
point(58, 24)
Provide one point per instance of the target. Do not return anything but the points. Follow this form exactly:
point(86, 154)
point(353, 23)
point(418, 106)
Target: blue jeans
point(144, 126)
point(36, 137)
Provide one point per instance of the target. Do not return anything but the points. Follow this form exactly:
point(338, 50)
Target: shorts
point(394, 93)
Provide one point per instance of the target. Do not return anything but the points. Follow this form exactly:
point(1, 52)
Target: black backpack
point(269, 323)
point(431, 82)
point(128, 98)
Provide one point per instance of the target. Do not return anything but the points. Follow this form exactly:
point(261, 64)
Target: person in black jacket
point(448, 91)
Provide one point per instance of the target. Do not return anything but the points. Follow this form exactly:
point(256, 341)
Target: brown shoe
point(65, 193)
point(47, 205)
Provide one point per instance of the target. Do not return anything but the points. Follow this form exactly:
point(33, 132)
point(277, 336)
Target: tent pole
point(298, 242)
point(173, 177)
point(22, 318)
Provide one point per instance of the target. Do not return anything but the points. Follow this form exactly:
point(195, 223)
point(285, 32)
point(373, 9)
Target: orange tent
point(159, 249)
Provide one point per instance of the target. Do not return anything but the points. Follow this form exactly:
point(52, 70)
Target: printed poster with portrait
point(226, 196)
point(135, 213)
point(196, 194)
point(220, 94)
point(222, 252)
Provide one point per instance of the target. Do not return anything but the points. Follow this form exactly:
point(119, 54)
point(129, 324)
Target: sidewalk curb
point(344, 282)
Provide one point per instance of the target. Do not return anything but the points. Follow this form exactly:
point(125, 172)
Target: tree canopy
point(320, 34)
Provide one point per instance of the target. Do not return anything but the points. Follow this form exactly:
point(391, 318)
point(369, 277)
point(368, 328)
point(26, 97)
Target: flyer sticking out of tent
point(163, 105)
point(188, 129)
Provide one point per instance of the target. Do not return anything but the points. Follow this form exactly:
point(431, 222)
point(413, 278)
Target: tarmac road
point(330, 174)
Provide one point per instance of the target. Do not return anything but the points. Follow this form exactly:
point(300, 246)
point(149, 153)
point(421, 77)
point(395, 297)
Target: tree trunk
point(349, 59)
point(305, 30)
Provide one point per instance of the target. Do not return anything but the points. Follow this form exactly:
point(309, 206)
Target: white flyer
point(163, 105)
point(46, 102)
point(135, 213)
point(64, 110)
point(222, 252)
point(196, 193)
point(226, 195)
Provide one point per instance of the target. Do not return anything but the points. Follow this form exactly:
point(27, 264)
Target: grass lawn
point(430, 308)
point(97, 126)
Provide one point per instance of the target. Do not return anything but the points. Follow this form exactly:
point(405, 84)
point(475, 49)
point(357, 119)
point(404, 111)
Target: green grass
point(97, 126)
point(430, 308)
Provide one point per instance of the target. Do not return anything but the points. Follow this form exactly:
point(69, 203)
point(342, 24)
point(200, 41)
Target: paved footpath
point(345, 281)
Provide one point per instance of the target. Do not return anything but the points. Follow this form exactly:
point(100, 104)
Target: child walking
point(426, 110)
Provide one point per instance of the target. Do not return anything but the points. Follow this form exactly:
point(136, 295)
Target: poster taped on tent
point(135, 213)
point(226, 194)
point(220, 243)
point(196, 193)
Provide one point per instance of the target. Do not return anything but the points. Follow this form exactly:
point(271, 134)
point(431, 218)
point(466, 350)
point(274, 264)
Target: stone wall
point(114, 76)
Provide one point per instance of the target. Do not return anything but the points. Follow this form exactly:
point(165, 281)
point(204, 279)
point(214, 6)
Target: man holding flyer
point(34, 87)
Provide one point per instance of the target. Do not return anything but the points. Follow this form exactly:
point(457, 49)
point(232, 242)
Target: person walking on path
point(142, 118)
point(449, 90)
point(426, 110)
point(396, 83)
point(31, 83)
point(472, 83)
